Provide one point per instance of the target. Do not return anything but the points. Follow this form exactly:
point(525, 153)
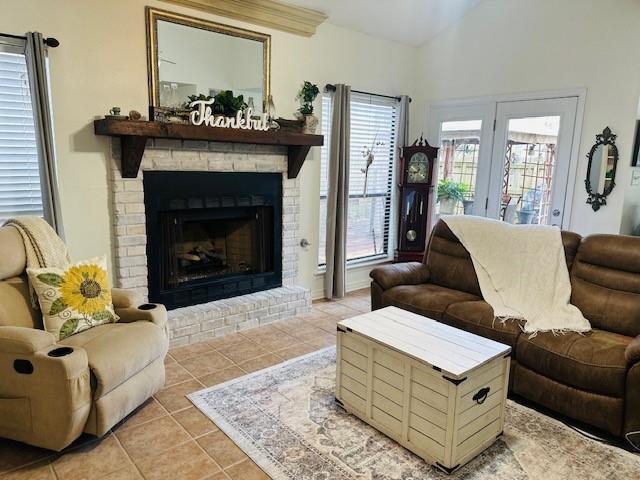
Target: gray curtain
point(403, 120)
point(403, 140)
point(36, 57)
point(338, 194)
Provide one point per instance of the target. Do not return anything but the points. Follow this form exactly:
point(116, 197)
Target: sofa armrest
point(632, 352)
point(149, 312)
point(410, 273)
point(45, 391)
point(123, 298)
point(35, 345)
point(24, 340)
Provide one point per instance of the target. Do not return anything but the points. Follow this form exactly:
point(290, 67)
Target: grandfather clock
point(417, 163)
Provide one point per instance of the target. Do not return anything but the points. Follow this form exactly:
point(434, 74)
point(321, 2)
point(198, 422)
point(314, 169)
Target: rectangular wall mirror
point(189, 56)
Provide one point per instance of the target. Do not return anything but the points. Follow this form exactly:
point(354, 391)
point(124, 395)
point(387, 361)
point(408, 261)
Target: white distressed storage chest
point(437, 390)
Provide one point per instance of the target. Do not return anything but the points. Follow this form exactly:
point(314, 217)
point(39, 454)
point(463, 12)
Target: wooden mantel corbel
point(133, 136)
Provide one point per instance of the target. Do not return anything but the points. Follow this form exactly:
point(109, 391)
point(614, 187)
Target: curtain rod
point(49, 42)
point(331, 88)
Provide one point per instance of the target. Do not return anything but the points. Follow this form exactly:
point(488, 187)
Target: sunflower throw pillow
point(74, 299)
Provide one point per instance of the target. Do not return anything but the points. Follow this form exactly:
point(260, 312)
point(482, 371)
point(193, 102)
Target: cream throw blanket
point(43, 246)
point(522, 272)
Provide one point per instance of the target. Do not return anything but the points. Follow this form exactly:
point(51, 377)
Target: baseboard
point(359, 284)
point(317, 292)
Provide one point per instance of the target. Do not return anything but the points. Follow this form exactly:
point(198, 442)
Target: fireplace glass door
point(214, 244)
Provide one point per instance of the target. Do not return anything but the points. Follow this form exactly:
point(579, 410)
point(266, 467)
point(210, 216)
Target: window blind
point(325, 125)
point(373, 125)
point(20, 188)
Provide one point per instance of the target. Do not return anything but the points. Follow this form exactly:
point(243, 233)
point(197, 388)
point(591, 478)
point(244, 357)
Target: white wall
point(631, 211)
point(101, 62)
point(515, 46)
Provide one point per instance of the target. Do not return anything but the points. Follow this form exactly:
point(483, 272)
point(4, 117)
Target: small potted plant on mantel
point(225, 103)
point(307, 94)
point(450, 193)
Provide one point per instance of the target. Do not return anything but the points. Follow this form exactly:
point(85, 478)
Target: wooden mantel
point(133, 136)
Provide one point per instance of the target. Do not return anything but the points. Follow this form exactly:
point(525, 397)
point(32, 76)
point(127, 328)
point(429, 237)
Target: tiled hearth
point(212, 319)
point(168, 438)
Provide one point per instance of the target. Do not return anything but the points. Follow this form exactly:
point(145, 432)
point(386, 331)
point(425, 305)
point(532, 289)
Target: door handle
point(556, 212)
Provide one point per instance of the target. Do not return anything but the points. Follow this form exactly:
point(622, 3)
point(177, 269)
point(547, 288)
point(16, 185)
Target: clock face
point(418, 169)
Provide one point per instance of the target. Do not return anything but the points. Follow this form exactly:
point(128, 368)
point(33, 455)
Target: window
point(458, 161)
point(373, 126)
point(20, 184)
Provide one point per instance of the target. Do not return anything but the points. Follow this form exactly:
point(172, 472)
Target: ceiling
point(412, 22)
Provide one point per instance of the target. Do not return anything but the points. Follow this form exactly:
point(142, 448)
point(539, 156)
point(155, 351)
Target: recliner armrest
point(24, 340)
point(45, 388)
point(122, 298)
point(410, 273)
point(632, 352)
point(150, 312)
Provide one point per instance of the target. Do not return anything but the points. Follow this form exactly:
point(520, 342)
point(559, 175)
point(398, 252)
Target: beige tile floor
point(167, 438)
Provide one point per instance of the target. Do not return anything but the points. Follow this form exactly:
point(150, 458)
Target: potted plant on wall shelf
point(449, 194)
point(307, 94)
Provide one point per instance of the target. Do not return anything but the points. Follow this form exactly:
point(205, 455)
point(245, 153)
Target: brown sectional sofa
point(593, 378)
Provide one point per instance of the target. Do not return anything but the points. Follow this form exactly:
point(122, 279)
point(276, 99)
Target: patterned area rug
point(286, 420)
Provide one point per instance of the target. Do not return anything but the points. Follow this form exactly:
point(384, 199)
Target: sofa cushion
point(605, 282)
point(15, 304)
point(601, 411)
point(477, 317)
point(118, 351)
point(449, 263)
point(593, 362)
point(425, 299)
point(571, 243)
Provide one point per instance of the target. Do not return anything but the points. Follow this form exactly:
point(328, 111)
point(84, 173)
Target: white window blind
point(324, 172)
point(373, 126)
point(20, 188)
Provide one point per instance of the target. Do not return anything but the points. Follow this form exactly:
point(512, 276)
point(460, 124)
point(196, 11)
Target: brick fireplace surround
point(204, 321)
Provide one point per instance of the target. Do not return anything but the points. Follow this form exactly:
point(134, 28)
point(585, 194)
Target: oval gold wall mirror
point(601, 170)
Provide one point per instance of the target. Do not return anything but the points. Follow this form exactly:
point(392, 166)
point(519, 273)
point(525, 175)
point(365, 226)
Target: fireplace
point(212, 235)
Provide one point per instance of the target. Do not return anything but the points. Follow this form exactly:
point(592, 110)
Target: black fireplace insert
point(212, 235)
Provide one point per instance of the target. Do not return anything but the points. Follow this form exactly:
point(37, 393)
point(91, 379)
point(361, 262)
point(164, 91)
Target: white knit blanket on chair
point(522, 272)
point(43, 246)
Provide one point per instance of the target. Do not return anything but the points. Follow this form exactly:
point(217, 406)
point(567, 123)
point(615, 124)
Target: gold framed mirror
point(190, 56)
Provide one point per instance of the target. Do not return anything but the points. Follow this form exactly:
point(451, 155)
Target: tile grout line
point(207, 454)
point(128, 456)
point(28, 464)
point(52, 471)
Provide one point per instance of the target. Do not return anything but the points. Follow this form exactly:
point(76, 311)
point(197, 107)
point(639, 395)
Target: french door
point(507, 160)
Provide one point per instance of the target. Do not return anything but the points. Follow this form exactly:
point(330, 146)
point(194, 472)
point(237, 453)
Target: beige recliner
point(51, 392)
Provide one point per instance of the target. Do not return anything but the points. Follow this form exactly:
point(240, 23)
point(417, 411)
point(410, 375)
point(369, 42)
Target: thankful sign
point(202, 114)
